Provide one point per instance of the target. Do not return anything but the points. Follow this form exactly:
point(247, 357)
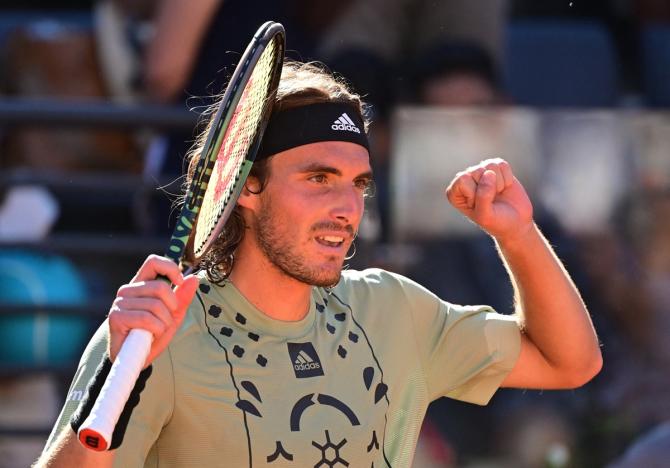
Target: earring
point(349, 257)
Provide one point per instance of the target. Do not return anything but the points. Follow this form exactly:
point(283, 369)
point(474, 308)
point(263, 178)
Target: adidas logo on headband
point(344, 122)
point(312, 123)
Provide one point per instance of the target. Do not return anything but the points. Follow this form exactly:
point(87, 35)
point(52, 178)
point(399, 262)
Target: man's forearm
point(67, 452)
point(550, 309)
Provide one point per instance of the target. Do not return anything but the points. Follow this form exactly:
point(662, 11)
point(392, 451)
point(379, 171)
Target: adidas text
point(307, 366)
point(344, 122)
point(348, 127)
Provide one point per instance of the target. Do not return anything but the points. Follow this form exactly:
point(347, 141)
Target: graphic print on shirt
point(305, 401)
point(306, 362)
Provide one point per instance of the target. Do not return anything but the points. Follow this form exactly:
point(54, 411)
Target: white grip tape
point(116, 390)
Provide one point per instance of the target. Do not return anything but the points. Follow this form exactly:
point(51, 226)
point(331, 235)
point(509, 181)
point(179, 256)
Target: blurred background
point(99, 101)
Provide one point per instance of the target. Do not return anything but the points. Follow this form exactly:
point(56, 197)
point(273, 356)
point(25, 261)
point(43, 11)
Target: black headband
point(327, 121)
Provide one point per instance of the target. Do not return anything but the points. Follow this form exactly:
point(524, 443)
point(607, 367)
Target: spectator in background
point(455, 74)
point(375, 42)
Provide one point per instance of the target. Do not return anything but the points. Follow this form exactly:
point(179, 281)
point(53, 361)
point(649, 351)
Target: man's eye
point(318, 178)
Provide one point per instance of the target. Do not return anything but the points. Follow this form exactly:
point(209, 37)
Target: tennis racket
point(233, 137)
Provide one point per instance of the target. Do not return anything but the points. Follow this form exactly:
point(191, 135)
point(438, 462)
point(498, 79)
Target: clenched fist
point(491, 196)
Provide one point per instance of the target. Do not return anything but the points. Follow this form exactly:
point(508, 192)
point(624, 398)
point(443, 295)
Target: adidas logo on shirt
point(305, 361)
point(344, 122)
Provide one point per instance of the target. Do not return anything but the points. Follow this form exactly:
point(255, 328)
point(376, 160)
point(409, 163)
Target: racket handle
point(96, 431)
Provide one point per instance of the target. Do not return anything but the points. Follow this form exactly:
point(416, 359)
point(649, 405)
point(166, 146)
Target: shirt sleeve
point(466, 351)
point(149, 416)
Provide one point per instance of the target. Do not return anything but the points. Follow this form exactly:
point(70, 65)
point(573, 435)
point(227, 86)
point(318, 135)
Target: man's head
point(317, 122)
point(305, 219)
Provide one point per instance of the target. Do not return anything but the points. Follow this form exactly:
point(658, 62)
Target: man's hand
point(151, 304)
point(491, 196)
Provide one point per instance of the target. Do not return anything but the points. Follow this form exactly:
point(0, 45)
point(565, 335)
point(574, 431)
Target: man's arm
point(180, 29)
point(147, 303)
point(559, 346)
point(67, 451)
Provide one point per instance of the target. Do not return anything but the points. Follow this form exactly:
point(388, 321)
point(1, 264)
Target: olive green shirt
point(348, 385)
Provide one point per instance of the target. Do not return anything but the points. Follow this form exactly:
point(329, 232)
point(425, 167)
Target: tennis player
point(271, 355)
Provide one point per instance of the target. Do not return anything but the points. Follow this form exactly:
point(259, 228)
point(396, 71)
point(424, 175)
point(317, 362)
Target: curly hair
point(301, 84)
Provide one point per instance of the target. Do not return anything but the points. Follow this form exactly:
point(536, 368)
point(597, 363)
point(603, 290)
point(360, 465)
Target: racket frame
point(96, 431)
point(181, 249)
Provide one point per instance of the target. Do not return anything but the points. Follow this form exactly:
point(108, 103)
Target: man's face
point(310, 209)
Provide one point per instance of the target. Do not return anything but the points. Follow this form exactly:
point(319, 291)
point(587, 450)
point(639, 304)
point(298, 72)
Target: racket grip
point(96, 431)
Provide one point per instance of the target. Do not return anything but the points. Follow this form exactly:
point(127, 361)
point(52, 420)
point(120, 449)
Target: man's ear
point(249, 197)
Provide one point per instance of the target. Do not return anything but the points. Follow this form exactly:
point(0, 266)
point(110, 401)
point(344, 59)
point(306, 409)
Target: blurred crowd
point(606, 60)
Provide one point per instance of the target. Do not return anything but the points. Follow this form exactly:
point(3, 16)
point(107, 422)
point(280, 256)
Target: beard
point(280, 247)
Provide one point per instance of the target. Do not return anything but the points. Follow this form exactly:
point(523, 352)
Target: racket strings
point(234, 146)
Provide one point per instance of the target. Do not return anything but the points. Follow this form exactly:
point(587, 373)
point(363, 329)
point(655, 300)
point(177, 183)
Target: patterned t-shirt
point(348, 385)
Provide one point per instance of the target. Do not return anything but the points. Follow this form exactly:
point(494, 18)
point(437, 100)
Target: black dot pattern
point(342, 352)
point(204, 288)
point(214, 311)
point(240, 318)
point(238, 351)
point(261, 360)
point(353, 337)
point(226, 331)
point(330, 328)
point(253, 336)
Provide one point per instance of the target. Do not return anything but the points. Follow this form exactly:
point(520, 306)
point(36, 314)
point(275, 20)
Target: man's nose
point(348, 207)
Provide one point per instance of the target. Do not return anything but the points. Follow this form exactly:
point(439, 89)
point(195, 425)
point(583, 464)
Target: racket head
point(233, 137)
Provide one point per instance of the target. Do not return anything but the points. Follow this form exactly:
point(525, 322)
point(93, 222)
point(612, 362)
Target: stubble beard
point(280, 250)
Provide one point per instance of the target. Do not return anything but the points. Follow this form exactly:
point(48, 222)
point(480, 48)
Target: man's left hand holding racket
point(149, 303)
